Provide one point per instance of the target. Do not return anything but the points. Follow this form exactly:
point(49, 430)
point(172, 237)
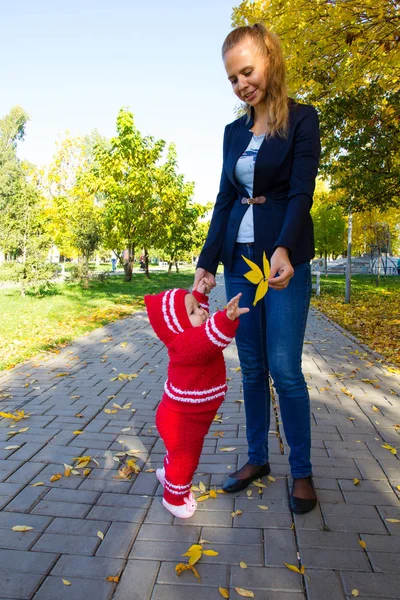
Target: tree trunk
point(177, 266)
point(348, 263)
point(170, 263)
point(146, 262)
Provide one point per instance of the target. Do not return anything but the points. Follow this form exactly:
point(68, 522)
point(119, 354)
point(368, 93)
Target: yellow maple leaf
point(257, 277)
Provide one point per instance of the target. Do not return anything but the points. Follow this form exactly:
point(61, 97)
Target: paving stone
point(26, 562)
point(180, 592)
point(26, 499)
point(60, 509)
point(355, 524)
point(77, 526)
point(74, 496)
point(87, 567)
point(210, 574)
point(265, 578)
point(118, 540)
point(328, 539)
point(382, 543)
point(163, 533)
point(318, 582)
point(9, 520)
point(385, 562)
point(110, 513)
point(137, 580)
point(25, 473)
point(319, 558)
point(372, 584)
point(14, 540)
point(21, 588)
point(225, 535)
point(80, 589)
point(66, 544)
point(123, 500)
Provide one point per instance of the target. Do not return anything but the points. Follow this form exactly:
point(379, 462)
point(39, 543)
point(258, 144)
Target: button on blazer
point(285, 172)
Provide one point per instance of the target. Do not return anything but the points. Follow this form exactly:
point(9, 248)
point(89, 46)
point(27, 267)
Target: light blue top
point(244, 174)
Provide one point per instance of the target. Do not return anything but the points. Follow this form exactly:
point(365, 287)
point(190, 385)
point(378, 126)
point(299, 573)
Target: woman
point(270, 162)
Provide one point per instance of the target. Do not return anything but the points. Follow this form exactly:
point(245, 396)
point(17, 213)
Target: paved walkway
point(355, 407)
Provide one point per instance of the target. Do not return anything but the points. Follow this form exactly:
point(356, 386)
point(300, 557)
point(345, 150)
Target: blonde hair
point(268, 44)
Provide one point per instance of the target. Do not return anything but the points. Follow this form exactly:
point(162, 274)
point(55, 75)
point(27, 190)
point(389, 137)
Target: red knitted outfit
point(195, 387)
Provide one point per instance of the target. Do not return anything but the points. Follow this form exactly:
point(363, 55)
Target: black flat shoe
point(302, 505)
point(232, 485)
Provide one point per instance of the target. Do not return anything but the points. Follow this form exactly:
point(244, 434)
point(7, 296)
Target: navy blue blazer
point(285, 172)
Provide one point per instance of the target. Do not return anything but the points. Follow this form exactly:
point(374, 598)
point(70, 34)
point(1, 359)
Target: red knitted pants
point(183, 434)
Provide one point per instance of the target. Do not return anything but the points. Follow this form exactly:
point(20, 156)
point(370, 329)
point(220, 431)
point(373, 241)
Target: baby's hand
point(233, 311)
point(204, 286)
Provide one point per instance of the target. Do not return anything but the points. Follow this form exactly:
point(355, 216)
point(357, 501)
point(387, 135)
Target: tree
point(329, 222)
point(23, 234)
point(343, 57)
point(332, 46)
point(125, 173)
point(69, 197)
point(174, 215)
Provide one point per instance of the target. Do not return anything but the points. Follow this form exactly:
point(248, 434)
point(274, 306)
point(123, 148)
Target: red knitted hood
point(167, 313)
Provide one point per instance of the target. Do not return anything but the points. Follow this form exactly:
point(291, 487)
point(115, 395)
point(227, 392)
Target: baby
point(196, 384)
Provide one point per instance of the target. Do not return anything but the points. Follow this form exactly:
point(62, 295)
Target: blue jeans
point(269, 340)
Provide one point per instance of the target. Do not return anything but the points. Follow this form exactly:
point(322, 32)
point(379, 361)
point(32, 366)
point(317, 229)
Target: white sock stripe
point(165, 312)
point(177, 486)
point(172, 310)
point(193, 400)
point(212, 338)
point(218, 332)
point(204, 305)
point(195, 392)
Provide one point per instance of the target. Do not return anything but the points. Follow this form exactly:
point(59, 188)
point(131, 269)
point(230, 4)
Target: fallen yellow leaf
point(393, 520)
point(77, 432)
point(213, 494)
point(203, 497)
point(224, 592)
point(356, 481)
point(262, 507)
point(244, 593)
point(210, 553)
point(100, 534)
point(114, 579)
point(362, 544)
point(295, 569)
point(355, 593)
point(21, 528)
point(230, 449)
point(181, 567)
point(66, 582)
point(37, 484)
point(55, 477)
point(12, 447)
point(243, 565)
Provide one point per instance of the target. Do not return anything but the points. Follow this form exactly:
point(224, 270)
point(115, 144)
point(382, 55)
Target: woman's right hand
point(200, 274)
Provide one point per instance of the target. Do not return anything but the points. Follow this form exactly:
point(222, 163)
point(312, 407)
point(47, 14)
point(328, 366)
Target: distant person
point(113, 264)
point(196, 384)
point(270, 162)
point(398, 266)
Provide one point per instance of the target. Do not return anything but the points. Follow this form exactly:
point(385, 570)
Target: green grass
point(33, 324)
point(373, 314)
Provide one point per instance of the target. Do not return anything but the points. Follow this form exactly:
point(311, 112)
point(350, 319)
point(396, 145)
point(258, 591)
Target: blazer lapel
point(238, 145)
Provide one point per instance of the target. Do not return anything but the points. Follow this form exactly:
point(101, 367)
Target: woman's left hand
point(280, 264)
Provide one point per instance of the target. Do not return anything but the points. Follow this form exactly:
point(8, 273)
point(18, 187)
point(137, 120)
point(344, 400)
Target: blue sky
point(72, 65)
